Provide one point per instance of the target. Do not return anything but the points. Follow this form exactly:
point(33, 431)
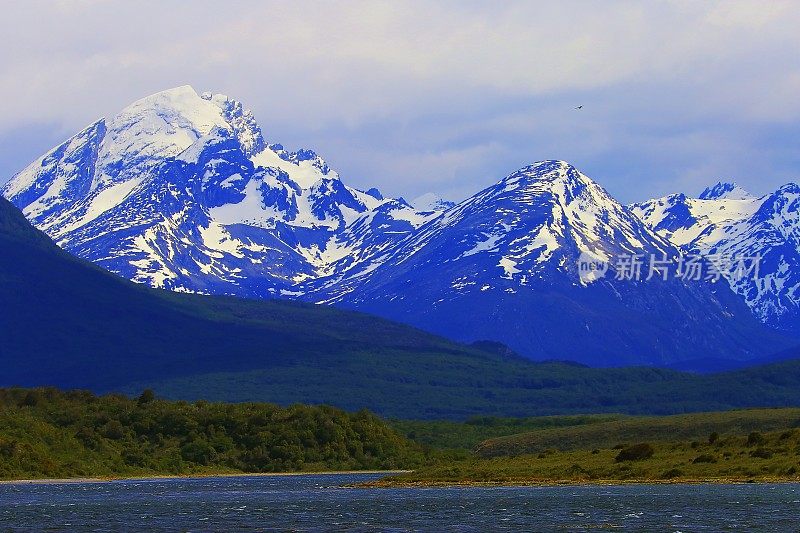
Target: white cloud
point(463, 76)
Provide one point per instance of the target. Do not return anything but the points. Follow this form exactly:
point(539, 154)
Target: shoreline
point(380, 484)
point(156, 477)
point(577, 483)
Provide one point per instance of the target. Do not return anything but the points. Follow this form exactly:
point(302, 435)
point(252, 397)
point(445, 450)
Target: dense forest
point(47, 433)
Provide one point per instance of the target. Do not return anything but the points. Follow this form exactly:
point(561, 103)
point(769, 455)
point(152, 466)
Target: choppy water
point(319, 502)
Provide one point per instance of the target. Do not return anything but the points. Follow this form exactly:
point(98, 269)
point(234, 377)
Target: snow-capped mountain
point(503, 265)
point(180, 190)
point(540, 218)
point(728, 222)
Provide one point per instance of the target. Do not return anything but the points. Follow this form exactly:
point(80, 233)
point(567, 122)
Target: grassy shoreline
point(727, 458)
point(390, 484)
point(208, 475)
point(51, 436)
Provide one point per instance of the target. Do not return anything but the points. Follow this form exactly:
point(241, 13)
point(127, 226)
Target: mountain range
point(181, 191)
point(727, 221)
point(67, 323)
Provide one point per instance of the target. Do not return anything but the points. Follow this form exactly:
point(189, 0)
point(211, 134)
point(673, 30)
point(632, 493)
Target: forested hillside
point(45, 433)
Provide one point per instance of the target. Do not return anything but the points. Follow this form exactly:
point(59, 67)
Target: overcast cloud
point(435, 96)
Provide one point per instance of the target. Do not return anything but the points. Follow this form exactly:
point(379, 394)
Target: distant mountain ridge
point(727, 221)
point(70, 324)
point(504, 265)
point(180, 190)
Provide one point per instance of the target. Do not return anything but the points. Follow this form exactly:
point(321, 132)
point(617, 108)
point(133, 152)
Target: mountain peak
point(554, 178)
point(547, 166)
point(182, 100)
point(175, 92)
point(725, 191)
point(431, 202)
point(375, 193)
point(549, 170)
point(182, 111)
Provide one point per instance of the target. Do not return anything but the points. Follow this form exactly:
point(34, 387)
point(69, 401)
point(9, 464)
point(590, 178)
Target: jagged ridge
point(727, 221)
point(181, 191)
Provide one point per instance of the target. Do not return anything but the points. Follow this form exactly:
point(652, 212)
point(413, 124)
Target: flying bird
point(579, 107)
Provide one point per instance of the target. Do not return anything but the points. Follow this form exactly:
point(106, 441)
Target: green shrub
point(761, 453)
point(672, 473)
point(197, 451)
point(705, 458)
point(755, 438)
point(133, 457)
point(31, 399)
point(88, 437)
point(113, 430)
point(147, 396)
point(8, 448)
point(637, 452)
point(577, 470)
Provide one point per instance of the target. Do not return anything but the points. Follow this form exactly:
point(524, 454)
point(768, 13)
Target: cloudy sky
point(435, 96)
